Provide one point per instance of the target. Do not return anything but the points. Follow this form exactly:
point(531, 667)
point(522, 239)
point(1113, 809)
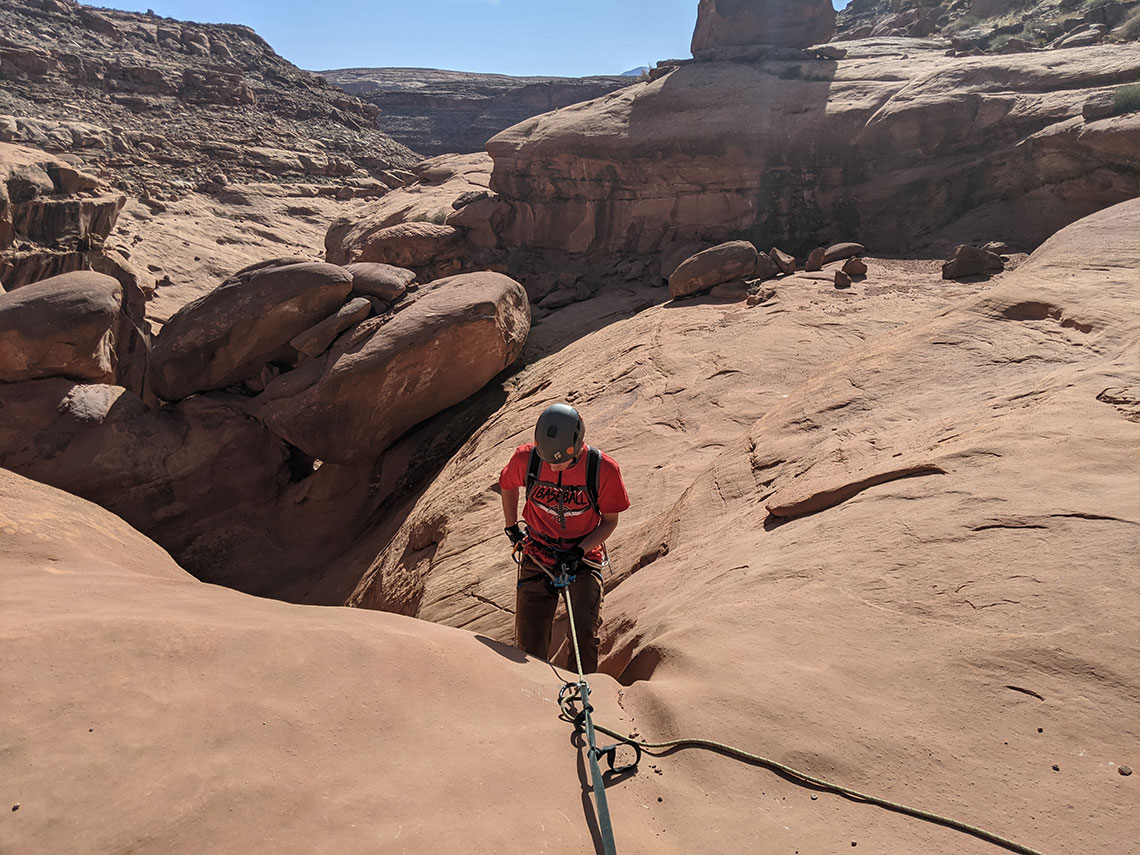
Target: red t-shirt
point(558, 511)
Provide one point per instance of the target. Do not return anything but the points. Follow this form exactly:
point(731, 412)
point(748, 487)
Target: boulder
point(1083, 38)
point(390, 374)
point(722, 263)
point(766, 268)
point(725, 25)
point(315, 341)
point(386, 281)
point(840, 251)
point(674, 255)
point(412, 245)
point(229, 335)
point(786, 263)
point(815, 259)
point(854, 266)
point(60, 327)
point(971, 261)
point(842, 280)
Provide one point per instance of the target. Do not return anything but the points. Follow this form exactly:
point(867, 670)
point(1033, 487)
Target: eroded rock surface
point(53, 217)
point(893, 145)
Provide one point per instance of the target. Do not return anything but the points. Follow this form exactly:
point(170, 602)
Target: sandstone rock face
point(439, 112)
point(60, 327)
point(163, 101)
point(733, 28)
point(230, 334)
point(59, 215)
point(389, 375)
point(723, 263)
point(162, 471)
point(894, 143)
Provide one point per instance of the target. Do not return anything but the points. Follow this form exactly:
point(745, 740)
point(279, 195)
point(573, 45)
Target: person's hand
point(569, 559)
point(516, 533)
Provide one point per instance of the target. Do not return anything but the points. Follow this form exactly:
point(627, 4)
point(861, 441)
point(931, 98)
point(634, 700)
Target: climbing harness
point(580, 692)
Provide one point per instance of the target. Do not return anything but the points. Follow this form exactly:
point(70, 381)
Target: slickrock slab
point(229, 335)
point(390, 374)
point(1015, 568)
point(60, 327)
point(228, 712)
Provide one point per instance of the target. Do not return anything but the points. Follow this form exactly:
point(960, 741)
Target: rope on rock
point(580, 691)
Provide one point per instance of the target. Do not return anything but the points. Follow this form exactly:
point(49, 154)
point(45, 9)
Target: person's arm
point(510, 506)
point(599, 535)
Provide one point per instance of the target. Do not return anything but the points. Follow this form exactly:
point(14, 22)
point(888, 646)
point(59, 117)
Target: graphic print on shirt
point(560, 502)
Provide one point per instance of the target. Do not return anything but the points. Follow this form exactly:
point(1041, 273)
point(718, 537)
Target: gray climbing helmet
point(559, 434)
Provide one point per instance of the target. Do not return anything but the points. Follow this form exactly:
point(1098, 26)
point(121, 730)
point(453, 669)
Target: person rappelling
point(574, 494)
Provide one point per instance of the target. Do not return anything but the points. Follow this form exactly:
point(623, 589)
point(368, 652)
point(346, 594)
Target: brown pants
point(535, 605)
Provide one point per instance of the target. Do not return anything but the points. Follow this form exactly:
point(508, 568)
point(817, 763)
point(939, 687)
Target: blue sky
point(520, 37)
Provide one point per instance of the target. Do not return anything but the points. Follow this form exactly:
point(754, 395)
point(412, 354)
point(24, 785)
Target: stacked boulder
point(340, 361)
point(444, 221)
point(243, 390)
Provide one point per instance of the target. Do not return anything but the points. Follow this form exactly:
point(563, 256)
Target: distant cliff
point(156, 100)
point(439, 112)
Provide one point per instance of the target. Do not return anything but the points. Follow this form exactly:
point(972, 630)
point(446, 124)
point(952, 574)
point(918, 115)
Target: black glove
point(568, 560)
point(516, 533)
